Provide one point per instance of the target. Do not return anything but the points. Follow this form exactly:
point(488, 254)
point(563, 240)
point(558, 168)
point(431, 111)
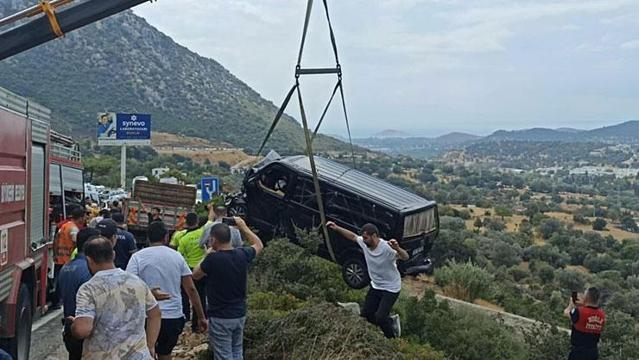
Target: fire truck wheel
point(19, 345)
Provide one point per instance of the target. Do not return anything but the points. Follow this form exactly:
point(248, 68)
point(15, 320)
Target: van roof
point(359, 183)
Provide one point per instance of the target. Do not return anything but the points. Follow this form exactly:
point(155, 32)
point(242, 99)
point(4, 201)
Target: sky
point(428, 67)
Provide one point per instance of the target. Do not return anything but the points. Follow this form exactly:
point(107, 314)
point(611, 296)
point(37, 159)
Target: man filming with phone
point(587, 324)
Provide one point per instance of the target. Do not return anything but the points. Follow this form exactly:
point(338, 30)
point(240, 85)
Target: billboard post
point(122, 129)
point(123, 167)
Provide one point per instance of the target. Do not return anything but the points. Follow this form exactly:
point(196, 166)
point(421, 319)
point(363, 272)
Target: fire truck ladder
point(56, 20)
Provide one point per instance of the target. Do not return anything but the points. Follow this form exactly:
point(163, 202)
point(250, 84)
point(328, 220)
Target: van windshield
point(420, 223)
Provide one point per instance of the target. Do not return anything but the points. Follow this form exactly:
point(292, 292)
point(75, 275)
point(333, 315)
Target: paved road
point(46, 338)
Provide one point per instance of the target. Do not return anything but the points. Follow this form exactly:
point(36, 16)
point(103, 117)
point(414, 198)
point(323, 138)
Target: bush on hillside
point(460, 334)
point(323, 331)
point(464, 281)
point(288, 268)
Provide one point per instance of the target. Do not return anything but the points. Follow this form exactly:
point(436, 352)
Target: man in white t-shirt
point(164, 270)
point(381, 260)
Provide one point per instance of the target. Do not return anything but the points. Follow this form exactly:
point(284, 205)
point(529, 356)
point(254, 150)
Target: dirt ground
point(512, 223)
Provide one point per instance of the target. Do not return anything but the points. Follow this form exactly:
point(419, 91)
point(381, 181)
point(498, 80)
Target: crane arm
point(55, 23)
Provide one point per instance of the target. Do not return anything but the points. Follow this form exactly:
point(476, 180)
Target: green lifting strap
point(299, 71)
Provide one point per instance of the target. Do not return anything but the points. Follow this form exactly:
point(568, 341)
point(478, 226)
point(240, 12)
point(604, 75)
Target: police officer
point(587, 324)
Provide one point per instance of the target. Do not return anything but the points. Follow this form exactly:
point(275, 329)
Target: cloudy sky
point(430, 66)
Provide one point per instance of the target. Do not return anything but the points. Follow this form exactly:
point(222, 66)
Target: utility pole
point(123, 167)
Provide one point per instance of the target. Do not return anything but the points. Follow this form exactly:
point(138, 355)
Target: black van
point(278, 195)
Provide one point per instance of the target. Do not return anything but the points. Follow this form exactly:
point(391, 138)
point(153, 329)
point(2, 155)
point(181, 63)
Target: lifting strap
point(308, 137)
point(49, 10)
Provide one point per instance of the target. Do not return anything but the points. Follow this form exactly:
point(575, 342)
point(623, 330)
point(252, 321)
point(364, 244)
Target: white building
point(158, 172)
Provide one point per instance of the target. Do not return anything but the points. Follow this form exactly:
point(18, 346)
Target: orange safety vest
point(64, 243)
point(133, 216)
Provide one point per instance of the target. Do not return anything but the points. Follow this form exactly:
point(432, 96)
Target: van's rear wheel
point(20, 344)
point(355, 273)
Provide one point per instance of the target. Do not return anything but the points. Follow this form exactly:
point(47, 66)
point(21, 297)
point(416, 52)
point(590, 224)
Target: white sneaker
point(397, 325)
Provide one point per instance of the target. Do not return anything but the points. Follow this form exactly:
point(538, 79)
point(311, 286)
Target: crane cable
point(307, 134)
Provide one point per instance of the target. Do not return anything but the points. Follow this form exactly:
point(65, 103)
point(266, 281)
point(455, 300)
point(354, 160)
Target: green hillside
point(125, 64)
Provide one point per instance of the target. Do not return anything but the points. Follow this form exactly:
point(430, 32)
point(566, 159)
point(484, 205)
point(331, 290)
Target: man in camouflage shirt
point(111, 310)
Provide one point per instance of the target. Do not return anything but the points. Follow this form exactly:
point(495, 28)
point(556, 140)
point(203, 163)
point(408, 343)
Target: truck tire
point(354, 272)
point(20, 344)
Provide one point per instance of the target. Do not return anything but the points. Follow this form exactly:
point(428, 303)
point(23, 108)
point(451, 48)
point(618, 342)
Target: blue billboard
point(124, 129)
point(210, 187)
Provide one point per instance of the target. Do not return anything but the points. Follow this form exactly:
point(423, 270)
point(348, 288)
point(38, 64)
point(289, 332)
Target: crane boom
point(46, 28)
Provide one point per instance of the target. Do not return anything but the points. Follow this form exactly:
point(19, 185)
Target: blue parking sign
point(210, 187)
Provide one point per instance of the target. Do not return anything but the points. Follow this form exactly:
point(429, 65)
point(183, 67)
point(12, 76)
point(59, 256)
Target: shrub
point(599, 262)
point(288, 268)
point(570, 280)
point(323, 331)
point(546, 342)
point(464, 281)
point(599, 224)
point(518, 273)
point(460, 334)
point(548, 227)
point(452, 223)
point(450, 245)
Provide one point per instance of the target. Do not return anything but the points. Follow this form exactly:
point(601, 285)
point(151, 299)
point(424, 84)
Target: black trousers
point(55, 295)
point(377, 308)
point(579, 353)
point(189, 313)
point(73, 345)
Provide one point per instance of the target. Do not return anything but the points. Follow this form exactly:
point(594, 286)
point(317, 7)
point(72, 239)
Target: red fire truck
point(40, 176)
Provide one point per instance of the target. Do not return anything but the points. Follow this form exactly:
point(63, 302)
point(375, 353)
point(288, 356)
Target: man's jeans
point(377, 308)
point(225, 338)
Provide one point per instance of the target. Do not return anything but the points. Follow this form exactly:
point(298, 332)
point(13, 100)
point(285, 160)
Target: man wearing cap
point(109, 230)
point(125, 245)
point(72, 276)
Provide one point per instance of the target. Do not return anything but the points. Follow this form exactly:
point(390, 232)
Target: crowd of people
point(124, 303)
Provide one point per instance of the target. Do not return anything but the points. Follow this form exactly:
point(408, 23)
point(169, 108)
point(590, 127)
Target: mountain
point(456, 138)
point(124, 64)
point(626, 132)
point(420, 147)
point(535, 134)
point(390, 133)
point(569, 130)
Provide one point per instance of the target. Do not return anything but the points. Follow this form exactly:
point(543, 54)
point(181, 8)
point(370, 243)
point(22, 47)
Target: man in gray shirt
point(215, 217)
point(381, 260)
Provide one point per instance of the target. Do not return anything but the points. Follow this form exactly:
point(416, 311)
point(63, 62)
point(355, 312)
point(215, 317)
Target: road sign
point(210, 186)
point(124, 129)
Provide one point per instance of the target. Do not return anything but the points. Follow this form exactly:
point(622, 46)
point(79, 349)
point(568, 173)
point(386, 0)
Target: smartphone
point(574, 297)
point(229, 221)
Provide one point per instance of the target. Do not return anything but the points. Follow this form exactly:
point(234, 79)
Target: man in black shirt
point(226, 270)
point(587, 324)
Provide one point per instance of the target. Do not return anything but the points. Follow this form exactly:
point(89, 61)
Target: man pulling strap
point(381, 260)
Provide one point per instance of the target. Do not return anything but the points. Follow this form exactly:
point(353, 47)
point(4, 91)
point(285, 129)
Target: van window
point(275, 181)
point(420, 223)
point(304, 193)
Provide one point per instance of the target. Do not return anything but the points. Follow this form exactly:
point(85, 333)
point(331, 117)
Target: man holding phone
point(225, 271)
point(587, 324)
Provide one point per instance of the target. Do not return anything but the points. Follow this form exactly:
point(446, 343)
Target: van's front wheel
point(355, 273)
